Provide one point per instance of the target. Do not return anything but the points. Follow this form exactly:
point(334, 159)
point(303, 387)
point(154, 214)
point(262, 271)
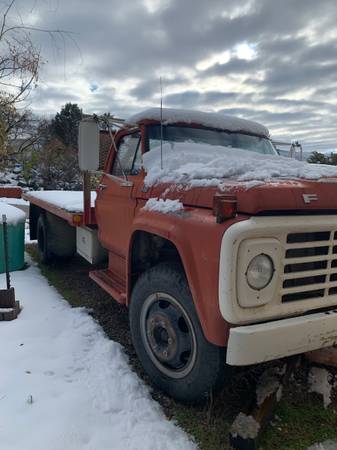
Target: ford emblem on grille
point(308, 198)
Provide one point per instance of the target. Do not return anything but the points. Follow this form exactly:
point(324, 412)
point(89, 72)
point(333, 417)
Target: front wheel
point(168, 338)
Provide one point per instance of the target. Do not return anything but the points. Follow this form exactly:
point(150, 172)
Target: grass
point(300, 419)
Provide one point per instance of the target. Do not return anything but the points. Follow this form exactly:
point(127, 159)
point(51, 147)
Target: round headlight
point(260, 272)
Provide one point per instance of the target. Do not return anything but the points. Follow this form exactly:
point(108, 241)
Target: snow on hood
point(213, 120)
point(165, 206)
point(201, 165)
point(13, 215)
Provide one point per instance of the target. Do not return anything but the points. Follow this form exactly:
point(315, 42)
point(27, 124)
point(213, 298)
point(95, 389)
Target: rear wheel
point(42, 239)
point(168, 338)
point(55, 237)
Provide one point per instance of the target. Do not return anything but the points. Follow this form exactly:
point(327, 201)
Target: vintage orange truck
point(217, 268)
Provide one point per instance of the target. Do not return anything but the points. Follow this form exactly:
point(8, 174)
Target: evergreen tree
point(320, 158)
point(64, 126)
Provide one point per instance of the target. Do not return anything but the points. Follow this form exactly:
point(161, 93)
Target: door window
point(128, 158)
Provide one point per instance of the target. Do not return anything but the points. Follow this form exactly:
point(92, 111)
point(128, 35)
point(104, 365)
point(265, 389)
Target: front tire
point(168, 337)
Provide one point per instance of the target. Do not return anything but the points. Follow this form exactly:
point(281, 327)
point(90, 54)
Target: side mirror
point(88, 144)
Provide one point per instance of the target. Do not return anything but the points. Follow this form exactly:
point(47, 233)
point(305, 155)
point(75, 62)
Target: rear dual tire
point(55, 238)
point(42, 240)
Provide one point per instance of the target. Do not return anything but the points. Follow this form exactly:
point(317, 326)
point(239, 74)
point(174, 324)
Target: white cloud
point(245, 51)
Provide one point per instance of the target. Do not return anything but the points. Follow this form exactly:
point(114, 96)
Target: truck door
point(116, 197)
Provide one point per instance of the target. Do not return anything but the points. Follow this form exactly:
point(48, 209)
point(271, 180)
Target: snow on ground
point(269, 383)
point(64, 385)
point(214, 120)
point(327, 445)
point(208, 165)
point(245, 426)
point(13, 215)
point(71, 201)
point(8, 179)
point(320, 382)
point(28, 240)
point(166, 206)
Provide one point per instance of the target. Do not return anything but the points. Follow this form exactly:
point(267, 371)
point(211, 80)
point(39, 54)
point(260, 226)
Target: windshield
point(174, 134)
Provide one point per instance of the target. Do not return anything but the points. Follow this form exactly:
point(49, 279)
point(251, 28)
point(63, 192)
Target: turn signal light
point(224, 207)
point(77, 219)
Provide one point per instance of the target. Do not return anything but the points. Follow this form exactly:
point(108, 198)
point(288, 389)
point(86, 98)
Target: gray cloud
point(122, 47)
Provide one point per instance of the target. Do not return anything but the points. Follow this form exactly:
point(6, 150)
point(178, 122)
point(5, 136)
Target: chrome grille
point(310, 266)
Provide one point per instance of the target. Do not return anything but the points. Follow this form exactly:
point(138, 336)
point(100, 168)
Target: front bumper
point(252, 344)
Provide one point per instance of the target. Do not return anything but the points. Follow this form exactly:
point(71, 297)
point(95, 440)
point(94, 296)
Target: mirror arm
point(124, 183)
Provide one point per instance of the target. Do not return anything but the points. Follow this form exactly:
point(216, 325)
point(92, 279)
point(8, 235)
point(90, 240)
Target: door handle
point(102, 186)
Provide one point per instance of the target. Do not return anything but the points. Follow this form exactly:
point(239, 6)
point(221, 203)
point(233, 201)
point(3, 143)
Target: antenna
point(161, 124)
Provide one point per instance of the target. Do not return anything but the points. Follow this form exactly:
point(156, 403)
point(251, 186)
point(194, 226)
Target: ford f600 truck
point(224, 252)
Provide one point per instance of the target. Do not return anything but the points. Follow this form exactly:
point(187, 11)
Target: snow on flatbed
point(209, 165)
point(206, 119)
point(64, 385)
point(70, 201)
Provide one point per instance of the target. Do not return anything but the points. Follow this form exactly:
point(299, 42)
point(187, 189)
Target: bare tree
point(20, 58)
point(20, 61)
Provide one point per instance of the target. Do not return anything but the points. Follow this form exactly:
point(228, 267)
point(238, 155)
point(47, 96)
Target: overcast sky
point(273, 61)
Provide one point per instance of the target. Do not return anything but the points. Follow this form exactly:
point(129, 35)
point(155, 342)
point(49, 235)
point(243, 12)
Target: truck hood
point(258, 197)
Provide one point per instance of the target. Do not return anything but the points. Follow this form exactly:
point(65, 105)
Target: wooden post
point(6, 255)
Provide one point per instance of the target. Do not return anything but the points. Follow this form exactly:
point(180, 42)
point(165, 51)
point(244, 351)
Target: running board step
point(105, 279)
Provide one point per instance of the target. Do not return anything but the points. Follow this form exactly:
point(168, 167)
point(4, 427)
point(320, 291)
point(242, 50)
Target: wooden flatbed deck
point(67, 205)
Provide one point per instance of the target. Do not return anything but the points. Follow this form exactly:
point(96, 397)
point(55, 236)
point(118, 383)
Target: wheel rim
point(168, 335)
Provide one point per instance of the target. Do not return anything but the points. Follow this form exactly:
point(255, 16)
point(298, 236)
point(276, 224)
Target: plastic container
point(16, 238)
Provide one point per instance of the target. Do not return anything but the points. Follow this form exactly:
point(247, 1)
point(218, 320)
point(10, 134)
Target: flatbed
point(67, 205)
point(59, 218)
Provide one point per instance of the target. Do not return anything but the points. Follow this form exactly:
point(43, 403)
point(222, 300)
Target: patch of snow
point(245, 426)
point(28, 240)
point(164, 206)
point(268, 384)
point(14, 215)
point(65, 385)
point(8, 179)
point(6, 310)
point(206, 119)
point(208, 165)
point(14, 201)
point(327, 445)
point(252, 184)
point(71, 201)
point(320, 382)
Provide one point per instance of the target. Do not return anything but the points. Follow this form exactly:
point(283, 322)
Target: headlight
point(260, 271)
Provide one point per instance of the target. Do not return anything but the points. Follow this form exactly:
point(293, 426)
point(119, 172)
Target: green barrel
point(16, 245)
